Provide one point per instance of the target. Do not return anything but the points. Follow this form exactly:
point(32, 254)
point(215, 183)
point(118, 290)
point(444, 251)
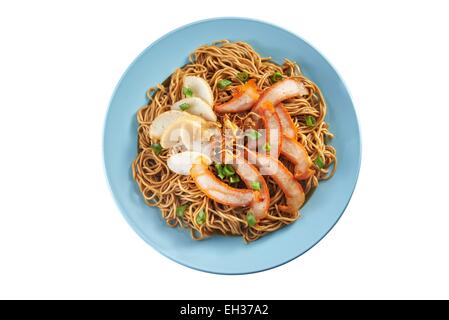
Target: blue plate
point(229, 255)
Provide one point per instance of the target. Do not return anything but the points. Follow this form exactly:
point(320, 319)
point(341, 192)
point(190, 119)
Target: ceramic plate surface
point(229, 255)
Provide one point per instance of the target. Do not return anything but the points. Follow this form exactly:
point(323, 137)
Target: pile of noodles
point(167, 190)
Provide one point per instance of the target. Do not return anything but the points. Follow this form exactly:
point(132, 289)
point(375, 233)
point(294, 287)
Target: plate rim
point(134, 225)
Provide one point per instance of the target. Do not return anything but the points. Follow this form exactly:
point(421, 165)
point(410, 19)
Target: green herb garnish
point(222, 84)
point(200, 217)
point(184, 106)
point(255, 185)
point(319, 162)
point(310, 121)
point(157, 148)
point(253, 134)
point(267, 147)
point(220, 172)
point(250, 219)
point(234, 179)
point(180, 211)
point(228, 170)
point(276, 76)
point(243, 76)
point(187, 92)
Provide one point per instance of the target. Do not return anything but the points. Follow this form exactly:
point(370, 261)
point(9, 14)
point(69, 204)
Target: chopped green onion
point(184, 106)
point(243, 76)
point(255, 185)
point(180, 211)
point(267, 147)
point(157, 148)
point(222, 84)
point(250, 219)
point(220, 172)
point(253, 134)
point(200, 217)
point(276, 76)
point(310, 121)
point(228, 170)
point(187, 92)
point(234, 179)
point(319, 162)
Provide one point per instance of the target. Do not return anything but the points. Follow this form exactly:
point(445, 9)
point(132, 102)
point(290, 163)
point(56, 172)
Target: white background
point(61, 235)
